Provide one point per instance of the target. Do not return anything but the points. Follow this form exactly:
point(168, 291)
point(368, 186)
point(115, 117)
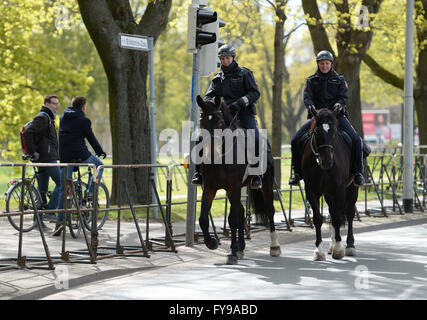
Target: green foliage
point(388, 49)
point(30, 68)
point(45, 48)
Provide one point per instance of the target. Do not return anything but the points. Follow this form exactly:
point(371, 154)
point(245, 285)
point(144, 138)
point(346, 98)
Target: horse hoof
point(275, 251)
point(212, 244)
point(319, 256)
point(240, 255)
point(350, 252)
point(232, 259)
point(339, 254)
point(331, 248)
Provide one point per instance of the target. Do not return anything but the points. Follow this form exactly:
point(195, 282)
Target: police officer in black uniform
point(238, 88)
point(327, 89)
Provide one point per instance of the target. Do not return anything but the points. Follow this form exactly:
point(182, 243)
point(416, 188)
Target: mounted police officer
point(327, 89)
point(238, 88)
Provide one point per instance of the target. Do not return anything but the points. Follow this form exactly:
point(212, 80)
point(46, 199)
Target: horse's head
point(211, 116)
point(324, 126)
point(212, 120)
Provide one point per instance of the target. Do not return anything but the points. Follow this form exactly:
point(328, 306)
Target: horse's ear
point(312, 110)
point(200, 101)
point(217, 100)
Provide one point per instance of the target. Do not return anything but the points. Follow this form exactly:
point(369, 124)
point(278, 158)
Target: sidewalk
point(38, 283)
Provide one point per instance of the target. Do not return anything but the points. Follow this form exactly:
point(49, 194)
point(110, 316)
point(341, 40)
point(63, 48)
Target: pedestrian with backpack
point(40, 141)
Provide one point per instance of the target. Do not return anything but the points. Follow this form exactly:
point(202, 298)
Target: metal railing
point(384, 173)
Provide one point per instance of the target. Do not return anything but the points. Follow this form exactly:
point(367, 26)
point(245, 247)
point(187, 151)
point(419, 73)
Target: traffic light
point(209, 53)
point(198, 36)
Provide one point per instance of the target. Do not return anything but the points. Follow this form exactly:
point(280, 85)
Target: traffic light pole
point(408, 145)
point(192, 190)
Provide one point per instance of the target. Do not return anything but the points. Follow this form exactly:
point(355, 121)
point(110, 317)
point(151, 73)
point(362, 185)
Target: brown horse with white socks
point(231, 176)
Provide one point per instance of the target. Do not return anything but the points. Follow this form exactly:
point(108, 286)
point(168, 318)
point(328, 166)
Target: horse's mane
point(228, 118)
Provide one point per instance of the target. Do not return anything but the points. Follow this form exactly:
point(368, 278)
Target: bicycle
point(86, 201)
point(14, 204)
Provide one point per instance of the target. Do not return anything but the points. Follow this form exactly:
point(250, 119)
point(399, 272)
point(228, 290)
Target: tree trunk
point(349, 67)
point(420, 90)
point(127, 84)
point(347, 38)
point(279, 53)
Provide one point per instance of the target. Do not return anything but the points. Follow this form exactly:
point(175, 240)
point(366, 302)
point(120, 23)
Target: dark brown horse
point(231, 176)
point(326, 170)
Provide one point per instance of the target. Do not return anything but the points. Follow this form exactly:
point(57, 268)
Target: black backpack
point(24, 144)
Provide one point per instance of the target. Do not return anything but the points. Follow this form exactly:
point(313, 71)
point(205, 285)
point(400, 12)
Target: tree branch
point(102, 29)
point(156, 14)
point(382, 73)
point(317, 31)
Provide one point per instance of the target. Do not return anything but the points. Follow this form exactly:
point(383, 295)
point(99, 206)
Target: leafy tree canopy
point(30, 67)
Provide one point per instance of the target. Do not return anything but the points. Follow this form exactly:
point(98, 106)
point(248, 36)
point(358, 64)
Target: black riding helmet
point(226, 51)
point(324, 55)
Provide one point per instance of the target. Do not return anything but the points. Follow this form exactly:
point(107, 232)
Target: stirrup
point(295, 180)
point(256, 182)
point(197, 179)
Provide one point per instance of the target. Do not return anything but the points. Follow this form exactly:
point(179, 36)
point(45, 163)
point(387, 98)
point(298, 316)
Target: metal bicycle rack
point(37, 262)
point(384, 174)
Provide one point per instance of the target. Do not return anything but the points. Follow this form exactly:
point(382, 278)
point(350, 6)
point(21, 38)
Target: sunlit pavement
point(391, 264)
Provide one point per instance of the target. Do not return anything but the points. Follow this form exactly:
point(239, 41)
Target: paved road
point(391, 264)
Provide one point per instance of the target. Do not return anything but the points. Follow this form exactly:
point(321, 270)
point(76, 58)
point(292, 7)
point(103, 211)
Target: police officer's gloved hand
point(35, 156)
point(309, 115)
point(102, 155)
point(338, 109)
point(234, 107)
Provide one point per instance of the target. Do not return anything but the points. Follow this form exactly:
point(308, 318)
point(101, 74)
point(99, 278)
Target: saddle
point(344, 135)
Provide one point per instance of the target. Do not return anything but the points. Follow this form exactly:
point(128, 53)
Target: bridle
point(315, 148)
point(232, 122)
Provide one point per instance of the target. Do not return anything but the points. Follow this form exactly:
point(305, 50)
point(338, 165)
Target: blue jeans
point(95, 160)
point(44, 173)
point(92, 159)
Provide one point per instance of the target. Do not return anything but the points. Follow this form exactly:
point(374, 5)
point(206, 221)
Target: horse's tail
point(258, 204)
point(262, 199)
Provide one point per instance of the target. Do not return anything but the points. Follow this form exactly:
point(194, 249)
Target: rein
point(229, 127)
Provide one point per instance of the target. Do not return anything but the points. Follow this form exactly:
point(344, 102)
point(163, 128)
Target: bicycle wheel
point(103, 204)
point(14, 204)
point(73, 220)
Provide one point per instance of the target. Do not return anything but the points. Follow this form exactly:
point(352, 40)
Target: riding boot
point(358, 178)
point(295, 179)
point(197, 177)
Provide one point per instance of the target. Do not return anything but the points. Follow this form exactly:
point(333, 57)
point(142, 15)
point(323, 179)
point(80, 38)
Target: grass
point(179, 187)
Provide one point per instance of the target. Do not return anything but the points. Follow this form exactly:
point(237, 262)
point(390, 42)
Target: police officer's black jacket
point(234, 82)
point(41, 137)
point(74, 127)
point(325, 90)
